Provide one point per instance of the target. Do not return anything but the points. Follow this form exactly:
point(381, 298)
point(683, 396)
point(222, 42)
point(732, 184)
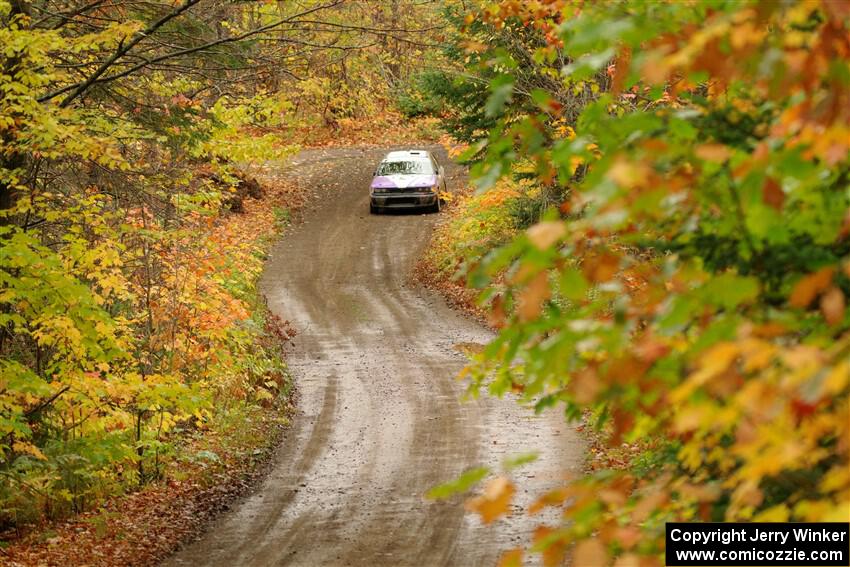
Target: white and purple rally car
point(406, 179)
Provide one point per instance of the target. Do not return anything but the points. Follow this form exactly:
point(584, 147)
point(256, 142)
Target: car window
point(405, 167)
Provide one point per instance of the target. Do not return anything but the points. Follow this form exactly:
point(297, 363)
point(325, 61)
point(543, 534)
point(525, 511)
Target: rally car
point(407, 179)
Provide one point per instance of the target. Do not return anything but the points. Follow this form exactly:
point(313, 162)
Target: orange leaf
point(497, 314)
point(511, 558)
point(623, 423)
point(651, 349)
point(545, 234)
point(601, 268)
point(713, 152)
point(590, 553)
point(650, 502)
point(554, 497)
point(770, 330)
point(621, 70)
point(495, 501)
point(809, 287)
point(628, 536)
point(532, 297)
point(629, 174)
point(585, 386)
point(832, 306)
point(554, 550)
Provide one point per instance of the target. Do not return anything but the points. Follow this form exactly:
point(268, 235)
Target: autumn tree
point(127, 310)
point(688, 295)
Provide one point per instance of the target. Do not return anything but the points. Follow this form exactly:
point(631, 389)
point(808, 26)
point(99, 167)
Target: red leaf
point(772, 194)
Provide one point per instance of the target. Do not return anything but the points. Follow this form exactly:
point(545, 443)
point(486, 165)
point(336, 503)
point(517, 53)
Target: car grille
point(404, 201)
point(402, 191)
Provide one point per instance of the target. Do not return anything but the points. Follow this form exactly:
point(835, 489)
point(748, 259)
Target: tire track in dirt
point(379, 417)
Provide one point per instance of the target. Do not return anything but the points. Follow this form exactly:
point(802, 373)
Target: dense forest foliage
point(128, 132)
point(663, 226)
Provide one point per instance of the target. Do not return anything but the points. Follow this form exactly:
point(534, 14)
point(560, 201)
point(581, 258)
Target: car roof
point(407, 154)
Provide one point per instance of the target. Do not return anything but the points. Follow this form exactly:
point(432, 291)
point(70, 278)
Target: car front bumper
point(404, 200)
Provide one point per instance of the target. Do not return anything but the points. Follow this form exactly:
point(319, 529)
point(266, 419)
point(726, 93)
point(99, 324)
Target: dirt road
point(379, 420)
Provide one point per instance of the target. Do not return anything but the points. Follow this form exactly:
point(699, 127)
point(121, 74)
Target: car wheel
point(435, 208)
point(373, 209)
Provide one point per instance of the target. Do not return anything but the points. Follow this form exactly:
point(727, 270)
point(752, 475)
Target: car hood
point(404, 181)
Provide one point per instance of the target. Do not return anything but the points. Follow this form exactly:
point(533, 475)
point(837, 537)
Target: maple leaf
point(494, 502)
point(590, 553)
point(809, 287)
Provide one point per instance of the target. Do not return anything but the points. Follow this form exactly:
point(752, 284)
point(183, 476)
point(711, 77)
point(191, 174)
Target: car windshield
point(406, 167)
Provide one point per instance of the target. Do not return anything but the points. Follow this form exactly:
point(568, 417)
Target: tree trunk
point(13, 160)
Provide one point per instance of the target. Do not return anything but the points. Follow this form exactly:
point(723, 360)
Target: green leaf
point(573, 284)
point(501, 92)
point(461, 484)
point(516, 461)
point(729, 290)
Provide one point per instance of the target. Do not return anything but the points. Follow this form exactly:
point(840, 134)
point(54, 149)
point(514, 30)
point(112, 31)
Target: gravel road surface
point(380, 418)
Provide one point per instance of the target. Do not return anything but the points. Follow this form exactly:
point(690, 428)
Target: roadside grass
point(472, 225)
point(211, 468)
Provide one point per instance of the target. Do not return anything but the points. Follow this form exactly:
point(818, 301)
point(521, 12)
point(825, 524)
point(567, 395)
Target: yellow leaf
point(778, 513)
point(837, 379)
point(29, 448)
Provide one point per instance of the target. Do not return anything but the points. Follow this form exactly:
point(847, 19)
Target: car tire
point(373, 210)
point(435, 208)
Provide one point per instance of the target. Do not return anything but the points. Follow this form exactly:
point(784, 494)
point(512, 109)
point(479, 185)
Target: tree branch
point(123, 49)
point(97, 78)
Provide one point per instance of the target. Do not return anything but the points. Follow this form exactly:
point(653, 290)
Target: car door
point(441, 174)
